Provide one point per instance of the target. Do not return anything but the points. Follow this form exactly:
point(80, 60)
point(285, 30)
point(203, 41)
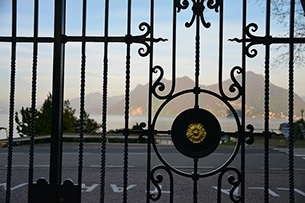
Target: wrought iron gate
point(195, 132)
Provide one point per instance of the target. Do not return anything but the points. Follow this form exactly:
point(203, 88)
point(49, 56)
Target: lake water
point(163, 123)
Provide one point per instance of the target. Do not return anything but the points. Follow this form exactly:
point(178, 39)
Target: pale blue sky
point(140, 9)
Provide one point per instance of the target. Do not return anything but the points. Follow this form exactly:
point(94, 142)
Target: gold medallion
point(196, 132)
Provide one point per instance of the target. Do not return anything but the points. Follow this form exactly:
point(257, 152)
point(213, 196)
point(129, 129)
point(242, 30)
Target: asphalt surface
point(137, 164)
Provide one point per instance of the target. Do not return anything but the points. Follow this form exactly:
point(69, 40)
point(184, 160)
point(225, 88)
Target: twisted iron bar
point(126, 131)
point(104, 131)
point(127, 104)
point(291, 103)
point(82, 99)
point(33, 98)
point(104, 107)
point(12, 104)
point(266, 132)
point(82, 111)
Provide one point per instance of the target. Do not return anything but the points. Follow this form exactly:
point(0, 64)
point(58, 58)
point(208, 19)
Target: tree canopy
point(43, 120)
point(281, 13)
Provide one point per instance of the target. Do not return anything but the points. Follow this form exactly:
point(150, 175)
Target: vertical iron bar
point(104, 106)
point(266, 122)
point(127, 98)
point(12, 103)
point(33, 97)
point(57, 98)
point(291, 103)
point(220, 48)
point(150, 127)
point(243, 101)
point(197, 60)
point(82, 97)
point(195, 181)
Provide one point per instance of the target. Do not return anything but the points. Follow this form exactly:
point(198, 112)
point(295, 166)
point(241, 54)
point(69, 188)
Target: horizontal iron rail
point(162, 135)
point(124, 39)
point(65, 39)
point(25, 139)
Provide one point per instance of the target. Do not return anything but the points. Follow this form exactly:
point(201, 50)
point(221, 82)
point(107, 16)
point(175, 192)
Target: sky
point(139, 65)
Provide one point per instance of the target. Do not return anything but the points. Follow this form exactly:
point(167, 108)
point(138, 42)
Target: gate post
point(54, 191)
point(57, 98)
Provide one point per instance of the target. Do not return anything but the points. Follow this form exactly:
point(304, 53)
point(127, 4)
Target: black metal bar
point(127, 100)
point(27, 39)
point(57, 99)
point(149, 114)
point(102, 39)
point(104, 106)
point(82, 98)
point(243, 103)
point(195, 181)
point(197, 60)
point(266, 117)
point(12, 104)
point(291, 103)
point(220, 50)
point(33, 98)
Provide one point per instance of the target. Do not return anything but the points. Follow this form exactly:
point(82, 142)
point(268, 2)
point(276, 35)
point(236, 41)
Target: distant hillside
point(254, 99)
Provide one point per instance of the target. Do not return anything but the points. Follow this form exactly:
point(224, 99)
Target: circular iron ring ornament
point(196, 133)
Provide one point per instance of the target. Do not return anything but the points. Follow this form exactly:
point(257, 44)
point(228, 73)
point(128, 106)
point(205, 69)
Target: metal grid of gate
point(54, 190)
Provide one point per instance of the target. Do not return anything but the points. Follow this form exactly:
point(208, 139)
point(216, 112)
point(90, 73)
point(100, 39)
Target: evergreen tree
point(24, 125)
point(44, 117)
point(43, 120)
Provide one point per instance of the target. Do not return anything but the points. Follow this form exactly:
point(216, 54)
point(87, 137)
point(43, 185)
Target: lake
point(163, 123)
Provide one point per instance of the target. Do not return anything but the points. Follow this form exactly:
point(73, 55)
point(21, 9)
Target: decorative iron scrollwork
point(180, 6)
point(198, 10)
point(143, 39)
point(158, 86)
point(250, 137)
point(233, 180)
point(253, 40)
point(235, 87)
point(214, 4)
point(252, 27)
point(156, 179)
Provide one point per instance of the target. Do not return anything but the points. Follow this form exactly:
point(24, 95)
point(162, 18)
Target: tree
point(89, 124)
point(23, 125)
point(69, 118)
point(281, 13)
point(43, 120)
point(44, 117)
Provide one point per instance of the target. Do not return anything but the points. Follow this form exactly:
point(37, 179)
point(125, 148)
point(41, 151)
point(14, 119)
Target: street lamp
point(302, 111)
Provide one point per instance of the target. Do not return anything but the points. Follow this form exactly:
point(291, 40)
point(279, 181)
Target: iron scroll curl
point(235, 87)
point(235, 181)
point(157, 179)
point(198, 10)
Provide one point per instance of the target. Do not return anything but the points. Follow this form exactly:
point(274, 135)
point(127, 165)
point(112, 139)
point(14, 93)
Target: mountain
point(138, 102)
point(93, 102)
